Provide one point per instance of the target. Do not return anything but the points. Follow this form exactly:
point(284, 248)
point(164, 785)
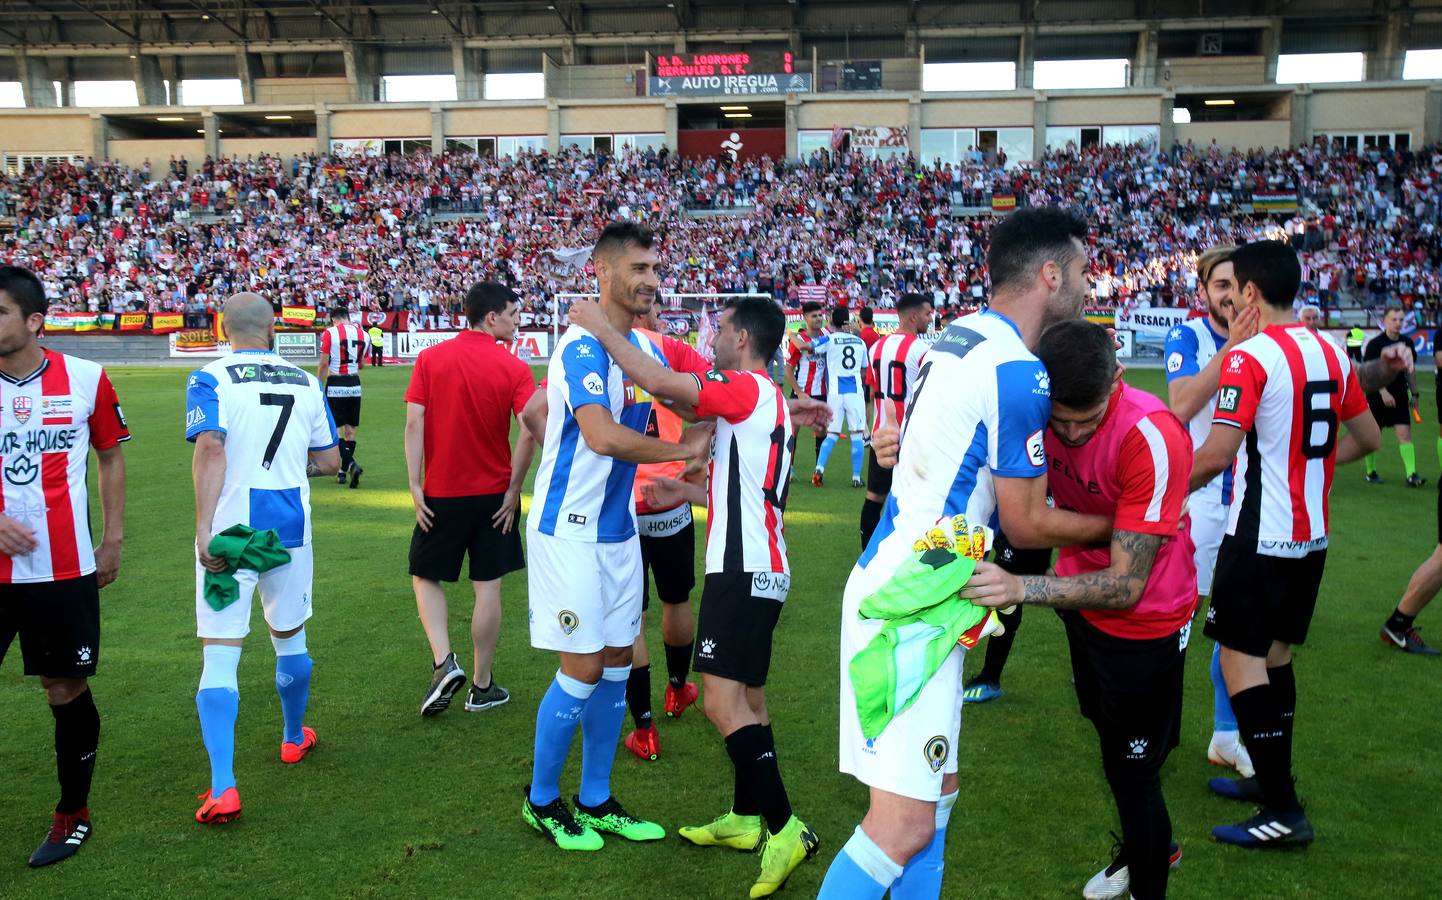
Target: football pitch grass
point(390, 805)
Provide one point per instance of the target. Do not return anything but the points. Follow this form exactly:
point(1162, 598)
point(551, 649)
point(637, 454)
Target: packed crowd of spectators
point(384, 233)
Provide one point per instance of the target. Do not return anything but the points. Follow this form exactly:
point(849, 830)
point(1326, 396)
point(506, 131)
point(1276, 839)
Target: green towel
point(242, 547)
point(925, 620)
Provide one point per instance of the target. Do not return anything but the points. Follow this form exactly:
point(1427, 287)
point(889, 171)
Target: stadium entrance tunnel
point(735, 130)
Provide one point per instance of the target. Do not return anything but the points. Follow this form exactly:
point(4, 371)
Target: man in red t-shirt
point(467, 504)
point(1119, 452)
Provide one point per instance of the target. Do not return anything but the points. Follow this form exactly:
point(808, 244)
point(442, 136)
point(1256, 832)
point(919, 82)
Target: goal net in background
point(689, 317)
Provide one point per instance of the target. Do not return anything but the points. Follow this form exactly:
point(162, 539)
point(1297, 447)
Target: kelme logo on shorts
point(568, 620)
point(936, 750)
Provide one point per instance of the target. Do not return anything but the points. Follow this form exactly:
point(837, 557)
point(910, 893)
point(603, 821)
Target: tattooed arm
point(1118, 586)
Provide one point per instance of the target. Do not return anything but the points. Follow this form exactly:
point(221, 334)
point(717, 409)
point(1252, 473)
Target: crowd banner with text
point(132, 321)
point(197, 343)
point(297, 315)
point(161, 323)
point(1151, 324)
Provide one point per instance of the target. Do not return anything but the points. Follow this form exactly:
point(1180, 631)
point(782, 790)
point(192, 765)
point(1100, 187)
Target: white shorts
point(1209, 523)
point(918, 747)
point(284, 598)
point(584, 596)
point(848, 410)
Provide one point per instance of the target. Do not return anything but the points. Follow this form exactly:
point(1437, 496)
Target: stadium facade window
point(809, 141)
point(949, 145)
point(15, 163)
point(1360, 140)
point(968, 76)
point(59, 93)
point(1019, 144)
point(511, 146)
point(1130, 135)
point(586, 143)
point(653, 141)
point(514, 86)
point(210, 92)
point(1318, 68)
point(105, 93)
point(1420, 64)
point(1061, 74)
point(12, 95)
point(417, 88)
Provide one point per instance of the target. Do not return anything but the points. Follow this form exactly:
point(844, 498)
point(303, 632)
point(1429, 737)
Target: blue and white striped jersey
point(1190, 346)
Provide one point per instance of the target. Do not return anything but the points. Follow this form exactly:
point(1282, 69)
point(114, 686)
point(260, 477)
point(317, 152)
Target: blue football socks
point(218, 703)
point(824, 453)
point(601, 723)
point(858, 450)
point(556, 721)
point(861, 871)
point(921, 879)
point(1223, 719)
point(292, 682)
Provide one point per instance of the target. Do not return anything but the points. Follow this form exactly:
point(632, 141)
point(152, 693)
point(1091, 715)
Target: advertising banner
point(407, 345)
point(729, 85)
point(163, 322)
point(198, 343)
point(296, 344)
point(875, 137)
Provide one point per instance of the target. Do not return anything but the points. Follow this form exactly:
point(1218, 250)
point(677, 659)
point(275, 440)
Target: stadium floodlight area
point(1061, 74)
point(1420, 64)
point(969, 76)
point(1318, 68)
point(211, 92)
point(413, 88)
point(106, 93)
point(12, 96)
point(515, 86)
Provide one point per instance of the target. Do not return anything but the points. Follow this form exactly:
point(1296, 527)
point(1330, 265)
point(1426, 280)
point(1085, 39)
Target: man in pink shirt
point(1117, 451)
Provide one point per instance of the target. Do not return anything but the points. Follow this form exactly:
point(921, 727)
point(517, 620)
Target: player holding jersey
point(973, 445)
point(56, 408)
point(895, 364)
point(261, 429)
point(585, 567)
point(1283, 395)
point(846, 364)
point(342, 356)
point(1194, 353)
point(748, 572)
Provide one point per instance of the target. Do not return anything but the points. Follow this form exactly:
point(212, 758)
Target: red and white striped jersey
point(895, 363)
point(49, 420)
point(344, 346)
point(749, 473)
point(1290, 391)
point(810, 368)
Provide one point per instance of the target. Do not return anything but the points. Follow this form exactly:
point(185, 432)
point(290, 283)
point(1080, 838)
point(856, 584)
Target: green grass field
point(390, 805)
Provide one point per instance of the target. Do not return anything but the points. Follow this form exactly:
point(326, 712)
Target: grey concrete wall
point(111, 348)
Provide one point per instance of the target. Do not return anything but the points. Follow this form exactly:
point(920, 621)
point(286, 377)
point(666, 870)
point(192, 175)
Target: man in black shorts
point(50, 571)
point(1392, 404)
point(466, 507)
point(342, 356)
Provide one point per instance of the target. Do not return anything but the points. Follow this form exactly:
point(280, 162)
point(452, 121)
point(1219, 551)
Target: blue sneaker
point(1267, 829)
point(1245, 789)
point(979, 691)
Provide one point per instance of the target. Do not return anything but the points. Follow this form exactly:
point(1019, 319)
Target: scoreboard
point(683, 65)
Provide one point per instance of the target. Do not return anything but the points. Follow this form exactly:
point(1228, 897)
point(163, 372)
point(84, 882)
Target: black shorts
point(1389, 416)
point(58, 623)
point(345, 410)
point(1020, 562)
point(1131, 690)
point(734, 628)
point(1259, 599)
point(878, 477)
point(671, 561)
point(462, 528)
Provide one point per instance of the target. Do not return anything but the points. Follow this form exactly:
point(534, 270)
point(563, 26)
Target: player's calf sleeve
point(921, 878)
point(77, 735)
point(870, 518)
point(638, 695)
point(292, 682)
point(1223, 719)
point(218, 703)
point(823, 452)
point(601, 720)
point(678, 662)
point(861, 871)
point(1409, 457)
point(555, 727)
point(858, 451)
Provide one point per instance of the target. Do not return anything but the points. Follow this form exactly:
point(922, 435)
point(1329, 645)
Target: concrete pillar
point(1025, 59)
point(247, 69)
point(913, 125)
point(99, 137)
point(1166, 129)
point(360, 72)
point(1144, 64)
point(212, 133)
point(1386, 63)
point(438, 130)
point(148, 81)
point(1271, 47)
point(673, 126)
point(35, 81)
point(170, 71)
point(1038, 126)
point(1301, 132)
point(322, 129)
point(568, 52)
point(553, 126)
point(467, 66)
point(793, 143)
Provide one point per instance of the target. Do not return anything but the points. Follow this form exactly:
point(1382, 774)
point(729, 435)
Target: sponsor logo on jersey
point(1229, 399)
point(266, 373)
point(1174, 362)
point(593, 383)
point(718, 376)
point(193, 417)
point(1234, 363)
point(1043, 384)
point(1036, 449)
point(770, 585)
point(576, 519)
point(21, 471)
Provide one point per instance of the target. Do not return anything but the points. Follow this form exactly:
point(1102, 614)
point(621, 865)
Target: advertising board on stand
point(407, 345)
point(301, 345)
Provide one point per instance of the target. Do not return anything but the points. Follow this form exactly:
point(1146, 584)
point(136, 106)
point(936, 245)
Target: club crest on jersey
point(935, 752)
point(569, 621)
point(21, 407)
point(1229, 398)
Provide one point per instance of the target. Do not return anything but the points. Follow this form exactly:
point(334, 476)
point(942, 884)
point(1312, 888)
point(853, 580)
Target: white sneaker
point(1227, 749)
point(1116, 879)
